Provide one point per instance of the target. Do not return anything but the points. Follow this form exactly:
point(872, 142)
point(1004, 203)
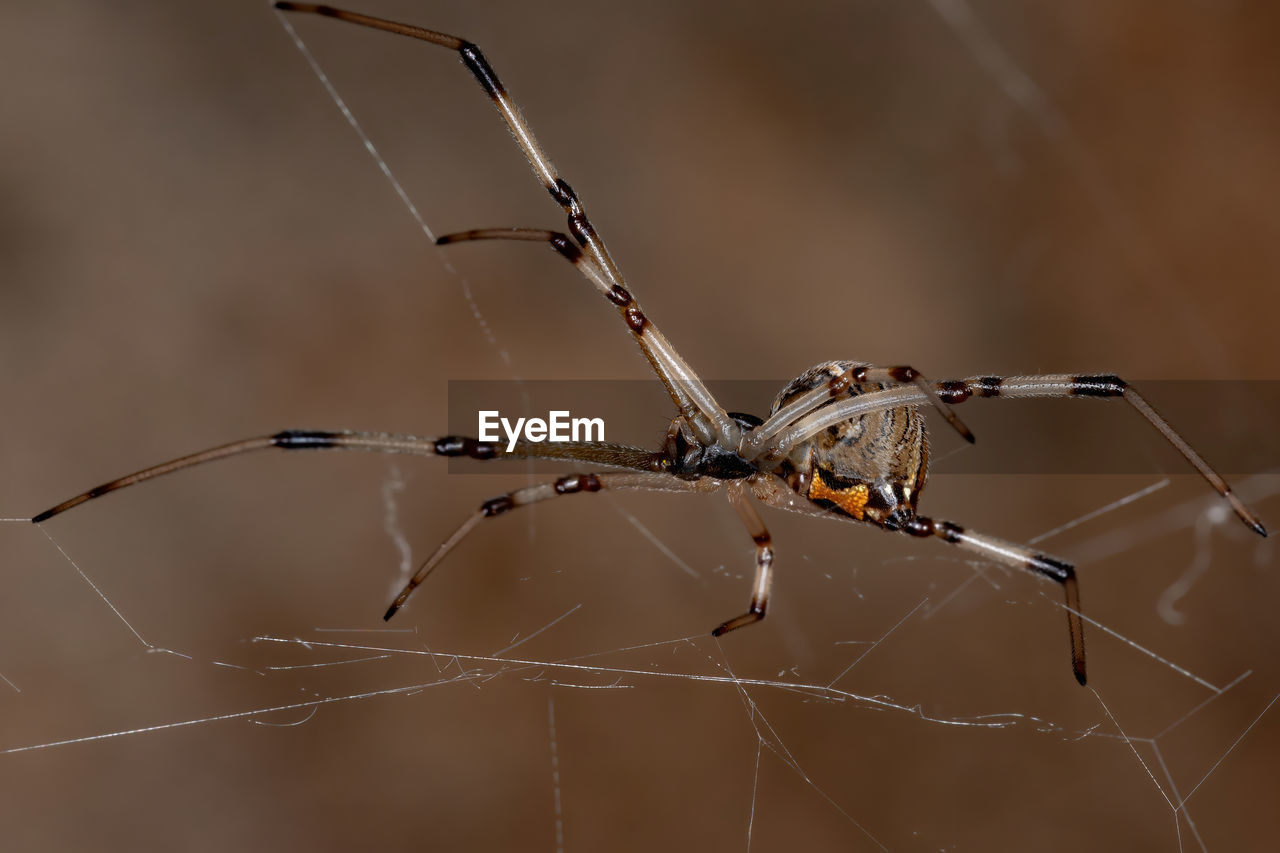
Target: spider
point(844, 439)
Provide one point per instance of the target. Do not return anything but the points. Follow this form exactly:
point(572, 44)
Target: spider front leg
point(1021, 557)
point(764, 561)
point(952, 392)
point(845, 383)
point(596, 452)
point(640, 472)
point(708, 420)
point(570, 485)
point(697, 406)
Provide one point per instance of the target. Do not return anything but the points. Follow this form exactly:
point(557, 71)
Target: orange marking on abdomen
point(851, 500)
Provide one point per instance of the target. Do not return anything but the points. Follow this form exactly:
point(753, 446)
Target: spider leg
point(907, 375)
point(838, 387)
point(1022, 557)
point(773, 491)
point(764, 560)
point(599, 453)
point(1104, 386)
point(705, 416)
point(789, 437)
point(569, 485)
point(683, 385)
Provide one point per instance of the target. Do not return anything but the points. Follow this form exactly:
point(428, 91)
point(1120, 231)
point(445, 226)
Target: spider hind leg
point(1021, 557)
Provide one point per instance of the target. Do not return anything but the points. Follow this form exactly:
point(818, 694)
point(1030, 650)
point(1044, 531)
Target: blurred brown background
point(195, 248)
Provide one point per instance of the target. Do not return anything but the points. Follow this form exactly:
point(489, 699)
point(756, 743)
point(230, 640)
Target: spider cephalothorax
point(843, 440)
point(683, 456)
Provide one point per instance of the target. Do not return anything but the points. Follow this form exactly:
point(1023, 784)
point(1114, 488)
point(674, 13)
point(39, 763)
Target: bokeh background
point(195, 248)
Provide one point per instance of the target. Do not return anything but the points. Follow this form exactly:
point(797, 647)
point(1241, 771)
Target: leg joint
point(575, 483)
point(1052, 567)
point(954, 391)
point(304, 439)
point(1102, 385)
point(497, 506)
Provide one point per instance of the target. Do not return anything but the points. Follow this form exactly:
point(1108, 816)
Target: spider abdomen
point(870, 467)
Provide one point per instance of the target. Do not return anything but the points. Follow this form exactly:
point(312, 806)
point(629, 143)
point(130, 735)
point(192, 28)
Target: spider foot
point(755, 614)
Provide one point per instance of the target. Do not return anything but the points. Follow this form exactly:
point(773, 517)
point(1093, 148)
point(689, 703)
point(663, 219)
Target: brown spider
point(843, 439)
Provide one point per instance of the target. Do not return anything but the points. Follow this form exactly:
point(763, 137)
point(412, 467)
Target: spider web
point(196, 249)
